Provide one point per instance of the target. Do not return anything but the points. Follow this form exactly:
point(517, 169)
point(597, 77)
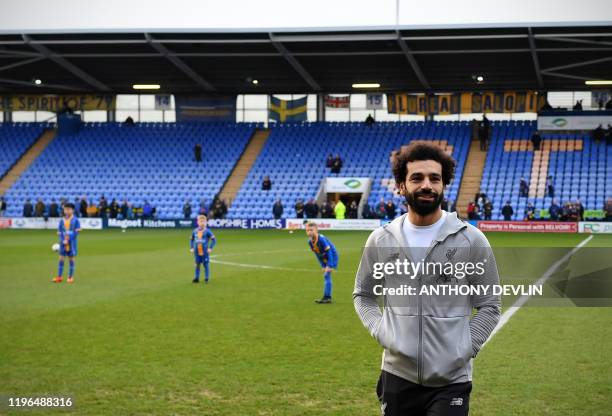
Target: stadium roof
point(436, 60)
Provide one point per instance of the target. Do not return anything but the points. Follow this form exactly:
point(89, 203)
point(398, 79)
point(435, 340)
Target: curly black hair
point(422, 151)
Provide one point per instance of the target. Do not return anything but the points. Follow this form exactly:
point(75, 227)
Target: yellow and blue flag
point(287, 111)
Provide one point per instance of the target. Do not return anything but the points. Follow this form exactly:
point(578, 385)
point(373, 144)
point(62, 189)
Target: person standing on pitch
point(200, 238)
point(68, 230)
point(429, 338)
point(326, 254)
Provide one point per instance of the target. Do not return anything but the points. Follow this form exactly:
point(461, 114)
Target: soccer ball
point(55, 247)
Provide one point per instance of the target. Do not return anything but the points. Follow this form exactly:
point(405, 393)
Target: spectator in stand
point(311, 209)
point(366, 212)
point(129, 122)
point(147, 210)
point(550, 187)
point(369, 121)
point(488, 210)
point(28, 209)
point(329, 162)
point(124, 210)
point(83, 207)
point(390, 210)
point(340, 210)
point(529, 212)
point(102, 207)
point(61, 204)
point(523, 187)
point(216, 209)
point(2, 206)
point(266, 185)
point(483, 135)
point(114, 208)
point(39, 208)
point(580, 209)
point(326, 210)
point(485, 132)
point(277, 209)
point(197, 152)
point(600, 104)
point(187, 210)
point(92, 210)
point(351, 211)
point(578, 106)
point(536, 140)
point(299, 208)
point(203, 208)
point(77, 205)
point(224, 207)
point(554, 211)
point(471, 211)
point(570, 212)
point(608, 209)
point(480, 199)
point(609, 104)
point(507, 211)
point(609, 136)
point(381, 209)
point(53, 209)
point(137, 211)
point(337, 165)
point(599, 134)
point(477, 212)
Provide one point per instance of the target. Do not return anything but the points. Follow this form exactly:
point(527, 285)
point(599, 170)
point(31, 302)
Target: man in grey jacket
point(429, 270)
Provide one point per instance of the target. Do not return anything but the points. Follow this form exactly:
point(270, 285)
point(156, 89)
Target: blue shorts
point(71, 252)
point(201, 259)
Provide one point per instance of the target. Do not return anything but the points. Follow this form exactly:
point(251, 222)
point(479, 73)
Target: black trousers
point(399, 397)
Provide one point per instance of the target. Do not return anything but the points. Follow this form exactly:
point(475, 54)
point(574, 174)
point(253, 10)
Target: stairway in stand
point(243, 166)
point(26, 160)
point(472, 176)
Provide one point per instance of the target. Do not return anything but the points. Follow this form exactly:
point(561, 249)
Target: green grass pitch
point(134, 336)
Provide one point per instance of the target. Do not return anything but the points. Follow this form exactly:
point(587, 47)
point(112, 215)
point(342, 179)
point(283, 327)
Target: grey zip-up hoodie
point(428, 339)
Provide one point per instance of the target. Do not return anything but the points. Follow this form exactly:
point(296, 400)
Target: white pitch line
point(259, 266)
point(524, 298)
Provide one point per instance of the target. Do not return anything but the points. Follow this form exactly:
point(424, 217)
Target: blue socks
point(60, 268)
point(71, 274)
point(206, 271)
point(328, 285)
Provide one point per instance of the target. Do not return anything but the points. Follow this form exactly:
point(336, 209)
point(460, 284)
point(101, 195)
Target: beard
point(422, 207)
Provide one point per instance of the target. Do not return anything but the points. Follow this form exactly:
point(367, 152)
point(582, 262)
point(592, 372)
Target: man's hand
point(327, 269)
point(209, 250)
point(191, 250)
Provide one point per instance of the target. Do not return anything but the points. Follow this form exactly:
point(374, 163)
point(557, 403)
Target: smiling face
point(423, 186)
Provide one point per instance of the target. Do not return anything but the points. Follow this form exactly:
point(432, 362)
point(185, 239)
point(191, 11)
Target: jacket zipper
point(420, 307)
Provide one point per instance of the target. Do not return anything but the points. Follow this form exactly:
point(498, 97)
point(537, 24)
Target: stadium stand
point(294, 157)
point(15, 139)
point(150, 161)
point(576, 163)
point(154, 162)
